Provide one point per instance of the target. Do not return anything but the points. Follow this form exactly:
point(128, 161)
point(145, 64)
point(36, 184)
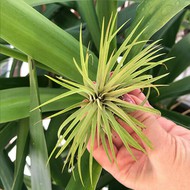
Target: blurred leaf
point(116, 185)
point(55, 187)
point(2, 125)
point(2, 57)
point(65, 19)
point(105, 9)
point(12, 52)
point(40, 172)
point(15, 68)
point(1, 40)
point(50, 10)
point(178, 118)
point(74, 31)
point(19, 99)
point(1, 185)
point(126, 14)
point(104, 180)
point(120, 3)
point(20, 56)
point(41, 2)
point(6, 172)
point(14, 82)
point(27, 181)
point(42, 40)
point(154, 18)
point(174, 90)
point(7, 133)
point(60, 177)
point(169, 31)
point(75, 182)
point(88, 13)
point(21, 153)
point(181, 61)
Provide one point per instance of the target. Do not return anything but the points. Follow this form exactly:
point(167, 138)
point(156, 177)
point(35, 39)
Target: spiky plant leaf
point(96, 116)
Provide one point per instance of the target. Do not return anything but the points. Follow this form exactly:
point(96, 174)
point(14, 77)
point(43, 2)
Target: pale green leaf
point(40, 171)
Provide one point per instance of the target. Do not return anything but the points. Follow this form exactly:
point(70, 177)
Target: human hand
point(165, 167)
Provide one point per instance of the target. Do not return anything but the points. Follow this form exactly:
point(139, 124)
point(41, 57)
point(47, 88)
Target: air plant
point(95, 117)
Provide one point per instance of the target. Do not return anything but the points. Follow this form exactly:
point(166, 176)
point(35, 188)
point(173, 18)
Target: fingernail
point(127, 98)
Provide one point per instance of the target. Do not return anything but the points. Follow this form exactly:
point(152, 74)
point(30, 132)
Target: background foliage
point(47, 32)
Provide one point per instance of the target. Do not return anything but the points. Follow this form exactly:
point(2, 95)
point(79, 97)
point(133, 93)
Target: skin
point(166, 166)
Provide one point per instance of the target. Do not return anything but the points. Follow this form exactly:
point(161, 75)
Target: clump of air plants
point(96, 116)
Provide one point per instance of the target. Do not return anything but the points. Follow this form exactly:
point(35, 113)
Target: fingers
point(138, 100)
point(159, 129)
point(100, 155)
point(134, 100)
point(154, 131)
point(166, 124)
point(123, 158)
point(138, 94)
point(127, 98)
point(116, 138)
point(174, 129)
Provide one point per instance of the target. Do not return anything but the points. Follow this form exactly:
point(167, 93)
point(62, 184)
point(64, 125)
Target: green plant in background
point(50, 50)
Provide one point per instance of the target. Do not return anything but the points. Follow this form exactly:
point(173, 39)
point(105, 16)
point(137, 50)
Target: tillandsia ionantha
point(96, 116)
